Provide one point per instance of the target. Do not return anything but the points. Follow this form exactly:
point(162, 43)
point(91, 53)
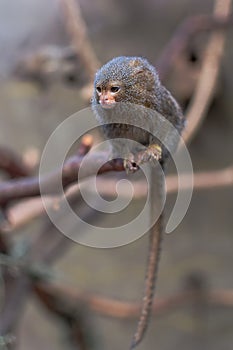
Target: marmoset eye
point(115, 89)
point(98, 89)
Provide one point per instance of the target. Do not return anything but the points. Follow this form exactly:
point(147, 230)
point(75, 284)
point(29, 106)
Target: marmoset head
point(125, 79)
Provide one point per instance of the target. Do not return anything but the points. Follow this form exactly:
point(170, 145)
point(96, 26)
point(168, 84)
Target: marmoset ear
point(139, 71)
point(137, 66)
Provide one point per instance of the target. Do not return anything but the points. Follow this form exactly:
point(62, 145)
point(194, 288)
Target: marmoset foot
point(153, 152)
point(130, 164)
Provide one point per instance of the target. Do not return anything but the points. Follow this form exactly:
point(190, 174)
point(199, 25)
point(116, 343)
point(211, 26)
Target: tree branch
point(26, 210)
point(12, 163)
point(30, 187)
point(190, 28)
point(206, 84)
point(115, 308)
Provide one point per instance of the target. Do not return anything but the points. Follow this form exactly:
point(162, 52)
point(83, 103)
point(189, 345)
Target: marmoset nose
point(104, 98)
point(107, 101)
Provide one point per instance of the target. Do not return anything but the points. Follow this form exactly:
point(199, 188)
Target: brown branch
point(201, 180)
point(190, 28)
point(26, 210)
point(206, 84)
point(30, 187)
point(23, 212)
point(221, 297)
point(107, 306)
point(12, 163)
point(115, 308)
point(76, 27)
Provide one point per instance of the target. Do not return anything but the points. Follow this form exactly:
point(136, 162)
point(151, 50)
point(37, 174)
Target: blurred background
point(35, 98)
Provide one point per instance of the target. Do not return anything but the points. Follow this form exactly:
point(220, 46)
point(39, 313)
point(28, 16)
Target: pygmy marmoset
point(121, 87)
point(127, 91)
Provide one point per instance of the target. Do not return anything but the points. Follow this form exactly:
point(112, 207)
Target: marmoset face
point(109, 93)
point(126, 79)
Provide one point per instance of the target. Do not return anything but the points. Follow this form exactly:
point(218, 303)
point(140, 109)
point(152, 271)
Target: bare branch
point(12, 163)
point(30, 187)
point(201, 180)
point(184, 35)
point(209, 75)
point(115, 308)
point(26, 210)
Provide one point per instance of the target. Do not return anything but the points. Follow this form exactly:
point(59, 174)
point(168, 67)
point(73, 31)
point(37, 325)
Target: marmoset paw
point(153, 152)
point(130, 164)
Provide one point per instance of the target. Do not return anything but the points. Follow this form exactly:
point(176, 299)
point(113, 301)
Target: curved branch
point(115, 308)
point(209, 75)
point(183, 36)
